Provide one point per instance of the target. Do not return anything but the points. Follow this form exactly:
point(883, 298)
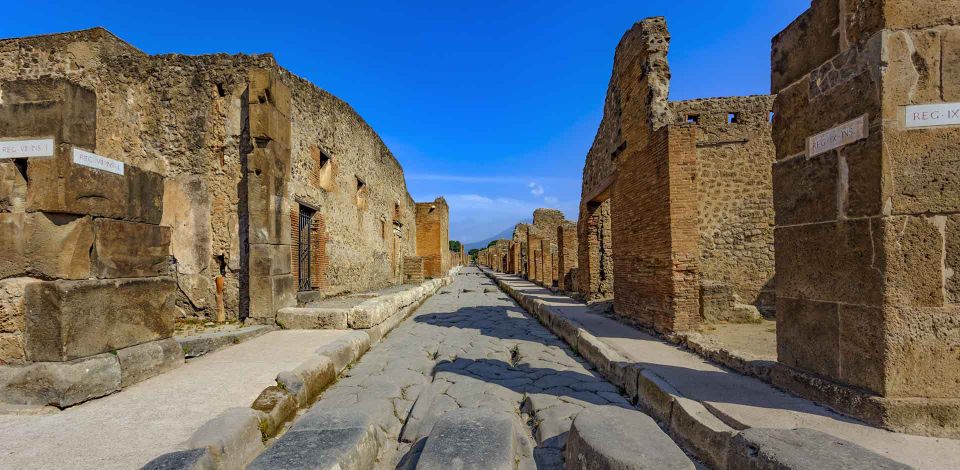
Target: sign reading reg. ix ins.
point(932, 115)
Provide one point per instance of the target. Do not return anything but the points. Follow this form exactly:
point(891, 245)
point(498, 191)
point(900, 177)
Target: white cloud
point(535, 188)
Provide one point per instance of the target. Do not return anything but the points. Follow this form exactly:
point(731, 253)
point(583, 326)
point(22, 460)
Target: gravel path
point(470, 346)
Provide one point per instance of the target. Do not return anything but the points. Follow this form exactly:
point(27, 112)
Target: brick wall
point(655, 259)
point(635, 105)
point(433, 242)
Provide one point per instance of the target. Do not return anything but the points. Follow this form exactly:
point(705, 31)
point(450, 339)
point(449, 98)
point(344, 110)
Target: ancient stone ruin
point(752, 282)
point(146, 190)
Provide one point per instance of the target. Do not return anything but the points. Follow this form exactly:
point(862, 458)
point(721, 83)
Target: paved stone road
point(470, 346)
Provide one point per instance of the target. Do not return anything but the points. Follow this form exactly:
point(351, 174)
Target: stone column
point(866, 195)
point(271, 285)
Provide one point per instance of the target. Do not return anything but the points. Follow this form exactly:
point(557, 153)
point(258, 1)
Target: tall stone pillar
point(867, 192)
point(271, 285)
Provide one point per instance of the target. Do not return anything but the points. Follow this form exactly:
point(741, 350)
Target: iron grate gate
point(303, 248)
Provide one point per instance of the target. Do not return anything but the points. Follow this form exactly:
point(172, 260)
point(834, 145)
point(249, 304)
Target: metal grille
point(303, 248)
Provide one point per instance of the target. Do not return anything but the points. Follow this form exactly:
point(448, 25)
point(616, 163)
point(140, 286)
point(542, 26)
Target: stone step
point(801, 449)
point(621, 439)
point(313, 318)
point(344, 439)
point(470, 439)
point(205, 343)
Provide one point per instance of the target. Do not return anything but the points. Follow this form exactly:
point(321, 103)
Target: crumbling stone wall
point(866, 202)
point(639, 81)
point(433, 236)
point(189, 119)
point(734, 196)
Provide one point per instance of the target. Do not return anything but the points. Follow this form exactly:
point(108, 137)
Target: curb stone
point(271, 408)
point(233, 438)
point(614, 438)
point(801, 449)
point(696, 425)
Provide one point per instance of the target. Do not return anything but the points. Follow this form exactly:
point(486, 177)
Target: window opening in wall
point(361, 193)
point(693, 118)
point(304, 257)
point(733, 118)
point(771, 116)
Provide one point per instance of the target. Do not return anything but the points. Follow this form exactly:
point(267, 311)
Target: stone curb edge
point(226, 442)
point(692, 425)
point(687, 421)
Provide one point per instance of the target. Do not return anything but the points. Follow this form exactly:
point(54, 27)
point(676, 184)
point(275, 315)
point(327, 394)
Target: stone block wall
point(567, 256)
point(520, 254)
point(433, 236)
point(866, 240)
point(734, 195)
point(86, 292)
point(191, 119)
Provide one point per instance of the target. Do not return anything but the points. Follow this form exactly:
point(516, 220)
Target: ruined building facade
point(257, 164)
point(676, 215)
point(216, 187)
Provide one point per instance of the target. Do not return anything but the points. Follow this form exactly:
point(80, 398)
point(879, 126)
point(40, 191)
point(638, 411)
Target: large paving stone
point(130, 249)
point(617, 439)
point(193, 459)
point(470, 438)
point(66, 320)
point(343, 439)
point(60, 384)
point(45, 245)
point(801, 449)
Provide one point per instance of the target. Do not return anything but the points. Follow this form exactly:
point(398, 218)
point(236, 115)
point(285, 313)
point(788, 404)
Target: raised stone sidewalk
point(228, 400)
point(705, 406)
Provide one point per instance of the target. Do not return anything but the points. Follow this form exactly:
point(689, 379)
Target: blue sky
point(491, 104)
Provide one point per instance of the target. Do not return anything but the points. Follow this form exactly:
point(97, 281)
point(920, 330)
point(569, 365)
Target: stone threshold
point(205, 343)
point(357, 311)
point(238, 435)
point(722, 417)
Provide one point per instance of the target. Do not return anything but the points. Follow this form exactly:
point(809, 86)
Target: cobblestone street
point(470, 346)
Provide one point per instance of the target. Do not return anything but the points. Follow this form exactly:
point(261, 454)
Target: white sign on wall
point(92, 160)
point(932, 115)
point(846, 133)
point(26, 148)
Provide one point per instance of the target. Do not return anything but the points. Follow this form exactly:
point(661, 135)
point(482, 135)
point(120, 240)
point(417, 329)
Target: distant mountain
point(504, 235)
